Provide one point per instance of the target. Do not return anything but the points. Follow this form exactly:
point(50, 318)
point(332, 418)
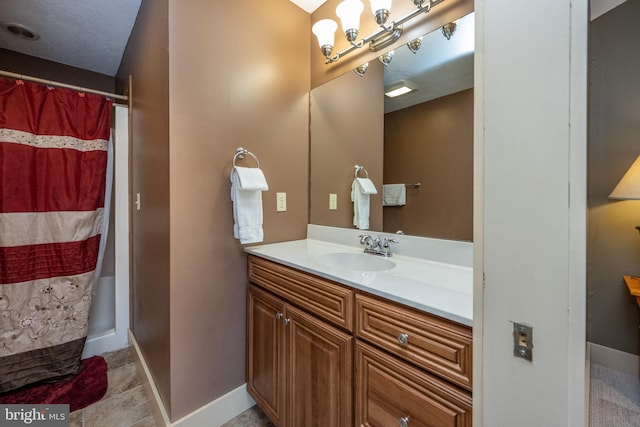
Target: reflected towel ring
point(361, 168)
point(241, 152)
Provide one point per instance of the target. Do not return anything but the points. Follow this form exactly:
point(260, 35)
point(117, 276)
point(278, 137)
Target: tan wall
point(425, 23)
point(346, 130)
point(203, 86)
point(613, 244)
point(43, 69)
point(239, 76)
point(432, 143)
point(146, 59)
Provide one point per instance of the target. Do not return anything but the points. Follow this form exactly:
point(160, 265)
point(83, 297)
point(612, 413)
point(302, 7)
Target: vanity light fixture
point(386, 58)
point(398, 90)
point(449, 29)
point(349, 12)
point(414, 45)
point(629, 186)
point(361, 69)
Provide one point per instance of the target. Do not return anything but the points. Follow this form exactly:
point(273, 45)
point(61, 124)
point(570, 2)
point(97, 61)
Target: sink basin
point(355, 261)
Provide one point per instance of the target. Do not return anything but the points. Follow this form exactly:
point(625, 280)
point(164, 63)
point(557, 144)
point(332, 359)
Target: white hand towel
point(394, 195)
point(247, 185)
point(360, 206)
point(367, 186)
point(251, 179)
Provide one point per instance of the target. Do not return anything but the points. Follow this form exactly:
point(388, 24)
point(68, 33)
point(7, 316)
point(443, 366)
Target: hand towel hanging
point(394, 195)
point(361, 188)
point(247, 185)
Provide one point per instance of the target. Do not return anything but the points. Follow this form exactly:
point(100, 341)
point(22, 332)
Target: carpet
point(614, 398)
point(79, 391)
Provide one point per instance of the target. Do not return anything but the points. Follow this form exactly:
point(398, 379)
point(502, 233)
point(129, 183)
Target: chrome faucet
point(376, 246)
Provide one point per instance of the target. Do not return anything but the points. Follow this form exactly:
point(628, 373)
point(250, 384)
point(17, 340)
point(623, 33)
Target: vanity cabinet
point(299, 363)
point(323, 354)
point(435, 344)
point(412, 368)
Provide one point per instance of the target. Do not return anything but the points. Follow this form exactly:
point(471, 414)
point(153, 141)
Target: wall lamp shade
point(325, 31)
point(361, 69)
point(349, 12)
point(629, 186)
point(381, 10)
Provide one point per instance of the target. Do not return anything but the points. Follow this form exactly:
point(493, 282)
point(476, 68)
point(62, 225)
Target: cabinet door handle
point(403, 339)
point(279, 316)
point(403, 422)
point(286, 321)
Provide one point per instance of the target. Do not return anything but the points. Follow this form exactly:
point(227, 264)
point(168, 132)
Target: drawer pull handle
point(403, 339)
point(403, 422)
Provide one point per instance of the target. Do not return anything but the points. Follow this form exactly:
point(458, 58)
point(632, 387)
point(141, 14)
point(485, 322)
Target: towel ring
point(241, 152)
point(361, 168)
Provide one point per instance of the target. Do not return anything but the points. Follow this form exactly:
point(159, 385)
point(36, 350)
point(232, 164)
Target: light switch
point(137, 201)
point(281, 202)
point(333, 202)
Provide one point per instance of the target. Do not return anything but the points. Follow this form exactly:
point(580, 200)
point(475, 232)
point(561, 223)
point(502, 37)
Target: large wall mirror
point(422, 139)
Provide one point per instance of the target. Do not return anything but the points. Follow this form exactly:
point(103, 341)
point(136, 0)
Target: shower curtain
point(53, 160)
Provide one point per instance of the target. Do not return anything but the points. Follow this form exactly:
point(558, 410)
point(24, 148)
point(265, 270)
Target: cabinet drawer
point(390, 392)
point(435, 344)
point(323, 298)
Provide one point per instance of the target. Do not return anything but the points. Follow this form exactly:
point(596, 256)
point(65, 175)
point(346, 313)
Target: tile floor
point(125, 403)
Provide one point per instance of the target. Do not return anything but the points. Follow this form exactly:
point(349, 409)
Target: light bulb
point(380, 10)
point(325, 31)
point(349, 12)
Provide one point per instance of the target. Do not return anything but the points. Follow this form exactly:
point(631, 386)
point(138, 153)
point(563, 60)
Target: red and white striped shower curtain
point(53, 159)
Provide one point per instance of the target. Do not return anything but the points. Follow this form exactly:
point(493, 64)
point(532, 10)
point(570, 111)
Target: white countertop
point(435, 287)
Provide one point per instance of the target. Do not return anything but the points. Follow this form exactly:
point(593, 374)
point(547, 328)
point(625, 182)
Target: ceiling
point(88, 34)
point(92, 34)
point(440, 67)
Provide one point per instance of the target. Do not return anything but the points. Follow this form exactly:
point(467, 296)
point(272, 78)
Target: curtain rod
point(64, 85)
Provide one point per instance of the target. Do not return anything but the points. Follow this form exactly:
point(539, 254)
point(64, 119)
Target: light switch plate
point(281, 202)
point(333, 202)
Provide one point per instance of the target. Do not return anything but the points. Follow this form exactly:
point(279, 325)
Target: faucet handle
point(365, 239)
point(385, 242)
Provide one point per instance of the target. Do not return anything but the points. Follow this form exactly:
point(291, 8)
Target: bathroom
point(207, 77)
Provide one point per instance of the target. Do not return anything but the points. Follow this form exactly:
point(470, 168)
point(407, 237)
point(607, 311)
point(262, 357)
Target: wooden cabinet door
point(319, 373)
point(390, 392)
point(265, 367)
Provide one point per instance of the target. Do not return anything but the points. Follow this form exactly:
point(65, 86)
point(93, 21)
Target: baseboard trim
point(219, 411)
point(213, 414)
point(153, 396)
point(587, 385)
point(614, 359)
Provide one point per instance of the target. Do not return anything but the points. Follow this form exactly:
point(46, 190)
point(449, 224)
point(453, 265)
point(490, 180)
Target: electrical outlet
point(523, 341)
point(281, 202)
point(333, 202)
